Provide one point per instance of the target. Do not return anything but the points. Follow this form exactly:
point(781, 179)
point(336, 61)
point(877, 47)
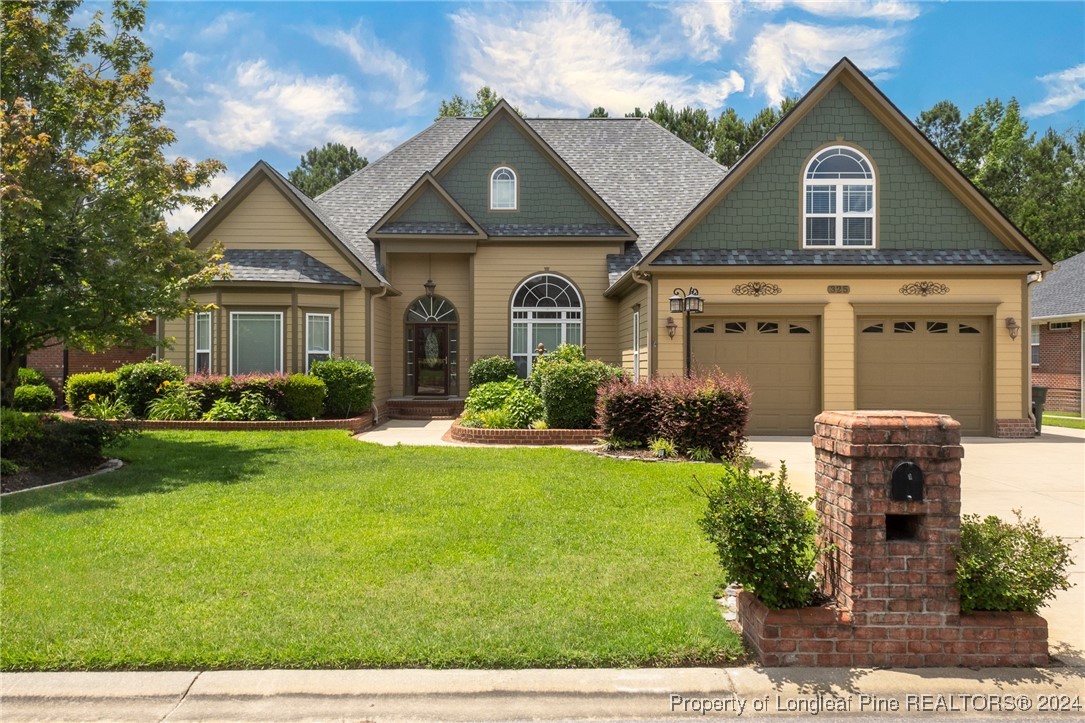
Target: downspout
point(644, 279)
point(1034, 277)
point(370, 342)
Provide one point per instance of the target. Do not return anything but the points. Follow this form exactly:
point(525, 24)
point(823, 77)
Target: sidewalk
point(639, 694)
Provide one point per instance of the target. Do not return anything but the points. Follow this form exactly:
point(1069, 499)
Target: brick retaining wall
point(355, 425)
point(540, 437)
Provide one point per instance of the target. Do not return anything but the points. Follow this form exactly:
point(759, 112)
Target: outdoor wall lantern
point(687, 303)
point(1013, 327)
point(672, 326)
point(429, 286)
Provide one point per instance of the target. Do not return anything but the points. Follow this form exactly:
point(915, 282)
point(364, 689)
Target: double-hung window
point(318, 338)
point(1035, 344)
point(202, 360)
point(838, 203)
point(256, 342)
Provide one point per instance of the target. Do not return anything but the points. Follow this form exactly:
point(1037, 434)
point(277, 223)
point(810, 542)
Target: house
point(1058, 309)
point(843, 263)
point(58, 361)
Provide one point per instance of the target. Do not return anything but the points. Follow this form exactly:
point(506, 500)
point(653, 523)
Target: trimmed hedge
point(138, 384)
point(491, 369)
point(303, 397)
point(569, 390)
point(34, 398)
point(630, 412)
point(491, 395)
point(43, 441)
point(349, 383)
point(28, 376)
point(79, 387)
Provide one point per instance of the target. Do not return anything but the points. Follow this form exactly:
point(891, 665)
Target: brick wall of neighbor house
point(1060, 367)
point(50, 360)
point(914, 209)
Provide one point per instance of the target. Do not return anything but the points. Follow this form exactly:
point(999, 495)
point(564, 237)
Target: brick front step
point(424, 408)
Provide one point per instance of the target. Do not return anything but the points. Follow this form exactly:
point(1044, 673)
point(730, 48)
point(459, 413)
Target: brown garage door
point(778, 356)
point(927, 364)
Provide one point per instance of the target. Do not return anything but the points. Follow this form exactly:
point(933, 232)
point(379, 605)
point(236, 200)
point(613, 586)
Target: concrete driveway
point(1043, 477)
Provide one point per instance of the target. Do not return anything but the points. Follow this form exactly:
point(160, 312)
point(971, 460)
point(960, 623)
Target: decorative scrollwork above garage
point(924, 288)
point(756, 288)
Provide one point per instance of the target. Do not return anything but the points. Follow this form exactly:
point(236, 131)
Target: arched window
point(503, 189)
point(838, 209)
point(547, 310)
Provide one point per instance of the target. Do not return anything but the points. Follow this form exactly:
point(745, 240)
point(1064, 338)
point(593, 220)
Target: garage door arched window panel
point(546, 309)
point(838, 203)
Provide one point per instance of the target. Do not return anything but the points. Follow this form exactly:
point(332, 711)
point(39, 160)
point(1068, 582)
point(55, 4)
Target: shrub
point(564, 353)
point(1007, 566)
point(496, 419)
point(706, 411)
point(29, 377)
point(34, 398)
point(524, 407)
point(491, 369)
point(569, 390)
point(491, 395)
point(662, 448)
point(470, 419)
point(303, 397)
point(349, 384)
point(223, 410)
point(177, 403)
point(36, 441)
point(271, 387)
point(138, 384)
point(764, 534)
point(105, 408)
point(17, 431)
point(631, 412)
point(79, 388)
point(209, 388)
point(256, 408)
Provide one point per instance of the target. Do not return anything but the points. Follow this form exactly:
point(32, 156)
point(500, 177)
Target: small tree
point(322, 168)
point(87, 256)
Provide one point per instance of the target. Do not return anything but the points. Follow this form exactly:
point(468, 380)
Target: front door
point(431, 359)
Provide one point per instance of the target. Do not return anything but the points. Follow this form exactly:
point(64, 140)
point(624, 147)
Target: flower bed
point(355, 425)
point(479, 435)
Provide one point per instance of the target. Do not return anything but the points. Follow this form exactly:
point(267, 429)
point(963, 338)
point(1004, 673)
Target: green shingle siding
point(915, 211)
point(430, 208)
point(545, 194)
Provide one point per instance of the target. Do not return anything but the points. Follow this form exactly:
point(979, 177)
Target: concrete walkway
point(642, 694)
point(412, 432)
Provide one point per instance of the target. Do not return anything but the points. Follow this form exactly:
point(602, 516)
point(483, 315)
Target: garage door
point(778, 356)
point(927, 364)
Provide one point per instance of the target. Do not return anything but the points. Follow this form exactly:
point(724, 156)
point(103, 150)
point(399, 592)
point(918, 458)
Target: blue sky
point(250, 80)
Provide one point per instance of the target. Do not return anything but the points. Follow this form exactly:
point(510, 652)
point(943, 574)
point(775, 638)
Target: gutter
point(1030, 279)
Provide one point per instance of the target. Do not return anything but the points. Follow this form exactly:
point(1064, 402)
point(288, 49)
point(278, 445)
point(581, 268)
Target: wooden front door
point(431, 359)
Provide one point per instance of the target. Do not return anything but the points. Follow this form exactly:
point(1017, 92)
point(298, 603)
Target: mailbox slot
point(902, 527)
point(907, 483)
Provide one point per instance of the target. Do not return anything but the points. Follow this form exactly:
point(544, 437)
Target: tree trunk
point(9, 373)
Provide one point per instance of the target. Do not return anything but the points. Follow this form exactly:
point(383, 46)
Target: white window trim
point(331, 338)
point(282, 337)
point(838, 191)
point(515, 190)
point(530, 321)
point(1060, 325)
point(636, 345)
point(1034, 342)
point(196, 341)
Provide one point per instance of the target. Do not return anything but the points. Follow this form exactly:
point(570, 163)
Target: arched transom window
point(838, 209)
point(547, 310)
point(503, 189)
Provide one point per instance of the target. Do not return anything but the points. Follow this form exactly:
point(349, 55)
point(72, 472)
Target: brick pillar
point(890, 563)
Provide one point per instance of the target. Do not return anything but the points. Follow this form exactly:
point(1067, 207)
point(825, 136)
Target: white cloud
point(1065, 89)
point(381, 64)
point(174, 82)
point(186, 216)
point(226, 24)
point(191, 61)
point(707, 25)
point(565, 58)
point(785, 57)
point(264, 107)
point(887, 10)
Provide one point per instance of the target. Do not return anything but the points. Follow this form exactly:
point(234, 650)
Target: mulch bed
point(30, 478)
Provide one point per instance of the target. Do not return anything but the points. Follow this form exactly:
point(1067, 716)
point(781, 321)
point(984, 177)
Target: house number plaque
point(839, 289)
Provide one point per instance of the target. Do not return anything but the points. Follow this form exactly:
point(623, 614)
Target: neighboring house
point(844, 263)
point(1058, 309)
point(58, 362)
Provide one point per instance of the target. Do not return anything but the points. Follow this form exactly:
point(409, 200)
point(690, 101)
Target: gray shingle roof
point(650, 178)
point(552, 229)
point(841, 257)
point(421, 227)
point(1062, 292)
point(289, 266)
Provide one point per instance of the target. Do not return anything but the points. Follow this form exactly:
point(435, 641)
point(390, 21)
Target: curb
point(110, 465)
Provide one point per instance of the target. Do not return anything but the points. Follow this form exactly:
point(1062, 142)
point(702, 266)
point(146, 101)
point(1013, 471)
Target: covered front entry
point(432, 353)
point(779, 356)
point(927, 363)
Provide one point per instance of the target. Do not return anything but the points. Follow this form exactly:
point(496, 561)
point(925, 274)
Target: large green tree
point(87, 256)
point(322, 168)
point(457, 107)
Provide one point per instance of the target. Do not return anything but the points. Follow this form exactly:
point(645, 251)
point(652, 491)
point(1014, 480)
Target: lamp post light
point(687, 303)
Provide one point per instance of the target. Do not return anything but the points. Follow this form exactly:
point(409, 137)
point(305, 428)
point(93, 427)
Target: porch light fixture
point(1013, 327)
point(429, 287)
point(689, 302)
point(672, 326)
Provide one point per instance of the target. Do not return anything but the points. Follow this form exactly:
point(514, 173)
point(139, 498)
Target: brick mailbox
point(888, 487)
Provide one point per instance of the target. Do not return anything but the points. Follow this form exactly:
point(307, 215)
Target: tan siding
point(839, 319)
point(500, 269)
point(625, 330)
point(381, 361)
point(265, 219)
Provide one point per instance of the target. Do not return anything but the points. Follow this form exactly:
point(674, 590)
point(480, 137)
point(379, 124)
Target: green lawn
point(1064, 419)
point(308, 549)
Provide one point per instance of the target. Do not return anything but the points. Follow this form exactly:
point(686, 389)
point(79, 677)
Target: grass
point(309, 549)
point(1064, 419)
